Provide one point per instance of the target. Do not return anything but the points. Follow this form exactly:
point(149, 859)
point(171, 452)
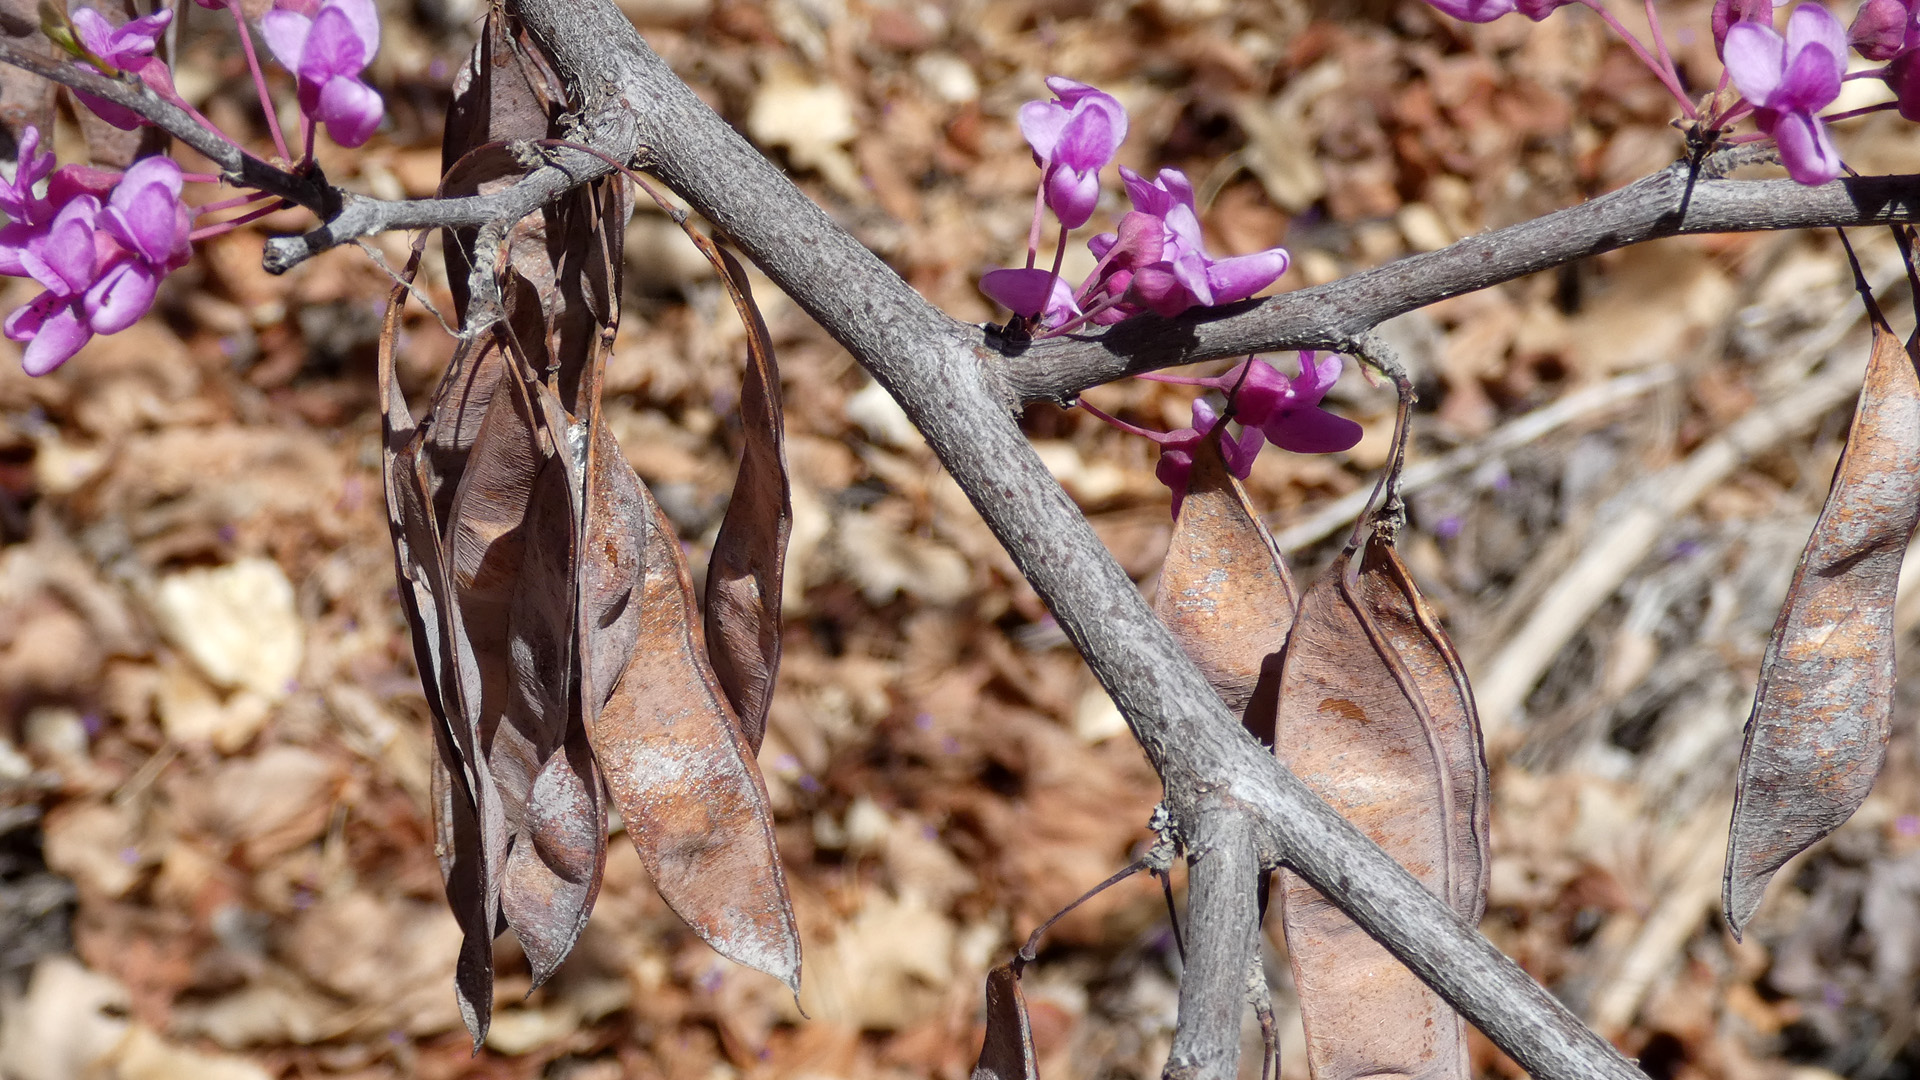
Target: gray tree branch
point(1219, 782)
point(1333, 315)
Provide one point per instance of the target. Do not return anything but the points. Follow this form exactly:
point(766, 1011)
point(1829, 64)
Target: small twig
point(1261, 995)
point(406, 283)
point(236, 165)
point(1031, 949)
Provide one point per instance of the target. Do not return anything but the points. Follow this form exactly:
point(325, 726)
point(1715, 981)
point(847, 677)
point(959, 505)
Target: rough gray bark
point(1220, 784)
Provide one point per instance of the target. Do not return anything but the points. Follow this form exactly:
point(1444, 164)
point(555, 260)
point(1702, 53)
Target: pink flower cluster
point(327, 44)
point(99, 242)
point(1784, 80)
point(100, 262)
point(1156, 261)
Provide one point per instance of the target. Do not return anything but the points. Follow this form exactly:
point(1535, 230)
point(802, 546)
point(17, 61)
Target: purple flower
point(123, 48)
point(1480, 11)
point(127, 48)
point(1287, 411)
point(1728, 12)
point(1157, 262)
point(100, 265)
point(1034, 294)
point(1073, 137)
point(1788, 80)
point(1880, 28)
point(328, 47)
point(1175, 467)
point(17, 199)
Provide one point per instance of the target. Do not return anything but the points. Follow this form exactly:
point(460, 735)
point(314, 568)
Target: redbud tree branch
point(1232, 802)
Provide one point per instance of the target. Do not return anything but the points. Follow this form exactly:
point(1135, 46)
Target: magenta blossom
point(1728, 12)
point(100, 265)
point(1156, 260)
point(1175, 467)
point(1480, 11)
point(328, 46)
point(1035, 295)
point(17, 200)
point(1287, 410)
point(1073, 138)
point(127, 48)
point(1788, 80)
point(1879, 29)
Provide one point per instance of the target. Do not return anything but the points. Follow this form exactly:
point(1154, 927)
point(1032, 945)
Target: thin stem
point(307, 131)
point(1039, 212)
point(228, 204)
point(1862, 111)
point(260, 83)
point(1131, 429)
point(1080, 320)
point(231, 224)
point(1659, 38)
point(1665, 74)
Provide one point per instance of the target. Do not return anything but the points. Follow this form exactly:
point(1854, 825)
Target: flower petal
point(1087, 141)
point(1805, 148)
point(1242, 276)
point(1175, 469)
point(1072, 194)
point(333, 49)
point(1023, 292)
point(1811, 24)
point(1041, 123)
point(93, 30)
point(1811, 81)
point(1756, 60)
point(286, 35)
point(351, 109)
point(120, 297)
point(365, 19)
point(54, 341)
point(1312, 431)
point(1477, 11)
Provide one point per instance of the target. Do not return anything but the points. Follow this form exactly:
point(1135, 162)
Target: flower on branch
point(1726, 13)
point(17, 199)
point(128, 48)
point(1073, 137)
point(1480, 11)
point(1788, 80)
point(1879, 30)
point(1157, 262)
point(1033, 294)
point(1287, 410)
point(327, 45)
point(100, 265)
point(1175, 467)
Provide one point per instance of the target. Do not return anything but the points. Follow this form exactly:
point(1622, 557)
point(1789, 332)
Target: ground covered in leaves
point(215, 852)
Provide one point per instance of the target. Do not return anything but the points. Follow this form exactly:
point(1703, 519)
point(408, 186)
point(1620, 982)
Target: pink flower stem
point(1039, 209)
point(231, 224)
point(307, 131)
point(260, 83)
point(202, 178)
point(228, 204)
point(1659, 38)
point(1131, 429)
point(1665, 74)
point(1076, 323)
point(1864, 73)
point(1862, 111)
